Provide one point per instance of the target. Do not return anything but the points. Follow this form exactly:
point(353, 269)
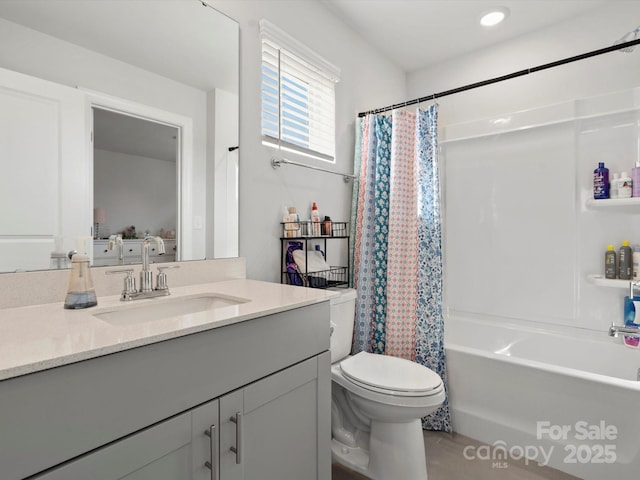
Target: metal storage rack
point(304, 234)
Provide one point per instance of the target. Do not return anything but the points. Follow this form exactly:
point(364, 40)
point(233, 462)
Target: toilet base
point(396, 451)
point(355, 458)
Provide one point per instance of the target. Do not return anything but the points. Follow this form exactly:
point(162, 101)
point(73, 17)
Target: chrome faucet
point(146, 275)
point(627, 330)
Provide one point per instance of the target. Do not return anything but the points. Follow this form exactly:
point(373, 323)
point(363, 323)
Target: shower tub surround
point(561, 398)
point(531, 367)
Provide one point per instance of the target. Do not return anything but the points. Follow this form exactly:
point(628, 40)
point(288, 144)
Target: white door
point(46, 177)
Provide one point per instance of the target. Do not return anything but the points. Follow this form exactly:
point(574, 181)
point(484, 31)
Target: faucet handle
point(161, 281)
point(129, 281)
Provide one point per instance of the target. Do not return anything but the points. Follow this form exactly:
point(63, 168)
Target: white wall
point(514, 202)
point(222, 180)
point(136, 191)
point(368, 80)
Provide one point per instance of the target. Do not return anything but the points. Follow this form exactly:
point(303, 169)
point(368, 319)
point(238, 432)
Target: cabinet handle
point(237, 419)
point(213, 444)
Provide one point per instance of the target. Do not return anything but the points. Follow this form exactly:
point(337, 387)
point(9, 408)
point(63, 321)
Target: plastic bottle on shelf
point(635, 177)
point(625, 262)
point(326, 226)
point(636, 262)
point(613, 186)
point(315, 220)
point(625, 186)
point(631, 319)
point(292, 223)
point(610, 264)
point(601, 182)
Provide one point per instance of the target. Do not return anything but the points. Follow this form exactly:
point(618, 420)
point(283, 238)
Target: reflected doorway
point(135, 172)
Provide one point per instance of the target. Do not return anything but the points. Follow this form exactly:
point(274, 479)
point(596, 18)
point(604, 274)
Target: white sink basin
point(149, 310)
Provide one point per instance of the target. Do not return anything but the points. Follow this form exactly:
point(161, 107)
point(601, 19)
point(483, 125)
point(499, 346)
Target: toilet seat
point(391, 375)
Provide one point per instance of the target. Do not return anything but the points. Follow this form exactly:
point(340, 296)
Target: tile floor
point(445, 461)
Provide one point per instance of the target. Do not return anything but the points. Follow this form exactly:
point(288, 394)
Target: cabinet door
point(161, 452)
point(270, 429)
point(205, 436)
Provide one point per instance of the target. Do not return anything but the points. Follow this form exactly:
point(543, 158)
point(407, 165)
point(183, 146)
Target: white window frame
point(311, 79)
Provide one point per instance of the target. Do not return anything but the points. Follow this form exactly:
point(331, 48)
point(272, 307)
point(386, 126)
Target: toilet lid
point(390, 373)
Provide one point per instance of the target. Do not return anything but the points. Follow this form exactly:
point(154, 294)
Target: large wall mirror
point(116, 114)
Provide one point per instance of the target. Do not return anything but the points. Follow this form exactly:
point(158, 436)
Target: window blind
point(298, 96)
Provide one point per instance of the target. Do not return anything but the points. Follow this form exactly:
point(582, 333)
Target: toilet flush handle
point(332, 328)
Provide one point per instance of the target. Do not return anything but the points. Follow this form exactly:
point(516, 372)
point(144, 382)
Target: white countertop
point(44, 336)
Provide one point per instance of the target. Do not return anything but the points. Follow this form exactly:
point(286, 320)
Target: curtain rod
point(509, 76)
point(276, 162)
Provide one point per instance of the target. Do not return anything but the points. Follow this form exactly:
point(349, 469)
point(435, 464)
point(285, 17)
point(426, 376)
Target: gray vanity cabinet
point(272, 426)
point(142, 414)
point(268, 431)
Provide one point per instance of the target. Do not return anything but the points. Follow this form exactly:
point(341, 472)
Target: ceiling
point(416, 34)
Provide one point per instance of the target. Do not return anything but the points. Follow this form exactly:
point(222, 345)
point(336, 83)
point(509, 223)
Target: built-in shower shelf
point(613, 203)
point(601, 281)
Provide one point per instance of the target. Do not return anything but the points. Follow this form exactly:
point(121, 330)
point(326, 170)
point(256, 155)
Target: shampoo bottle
point(610, 264)
point(601, 182)
point(625, 262)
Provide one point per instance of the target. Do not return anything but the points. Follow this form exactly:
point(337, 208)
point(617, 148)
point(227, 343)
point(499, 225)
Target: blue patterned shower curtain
point(396, 254)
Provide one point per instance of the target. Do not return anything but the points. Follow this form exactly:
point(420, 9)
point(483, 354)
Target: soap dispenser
point(80, 292)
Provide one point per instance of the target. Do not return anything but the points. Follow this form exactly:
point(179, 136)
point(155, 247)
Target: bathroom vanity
point(131, 253)
point(239, 389)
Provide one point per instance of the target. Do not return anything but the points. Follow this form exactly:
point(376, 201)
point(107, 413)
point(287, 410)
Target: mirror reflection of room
point(176, 63)
point(134, 191)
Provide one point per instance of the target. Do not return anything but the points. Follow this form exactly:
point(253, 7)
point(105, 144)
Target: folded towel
point(311, 259)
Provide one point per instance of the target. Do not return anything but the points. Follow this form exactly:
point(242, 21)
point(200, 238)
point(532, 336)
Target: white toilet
point(377, 402)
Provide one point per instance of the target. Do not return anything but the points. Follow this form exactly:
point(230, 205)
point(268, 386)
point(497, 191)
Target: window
point(298, 96)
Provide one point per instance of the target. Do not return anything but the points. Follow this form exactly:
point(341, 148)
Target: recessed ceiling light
point(494, 16)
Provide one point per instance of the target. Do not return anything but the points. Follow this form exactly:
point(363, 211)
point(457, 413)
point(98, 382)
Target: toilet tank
point(343, 310)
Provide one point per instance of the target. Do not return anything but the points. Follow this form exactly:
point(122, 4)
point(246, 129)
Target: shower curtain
point(396, 255)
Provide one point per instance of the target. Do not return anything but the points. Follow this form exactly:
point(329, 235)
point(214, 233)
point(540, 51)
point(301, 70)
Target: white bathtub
point(569, 399)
